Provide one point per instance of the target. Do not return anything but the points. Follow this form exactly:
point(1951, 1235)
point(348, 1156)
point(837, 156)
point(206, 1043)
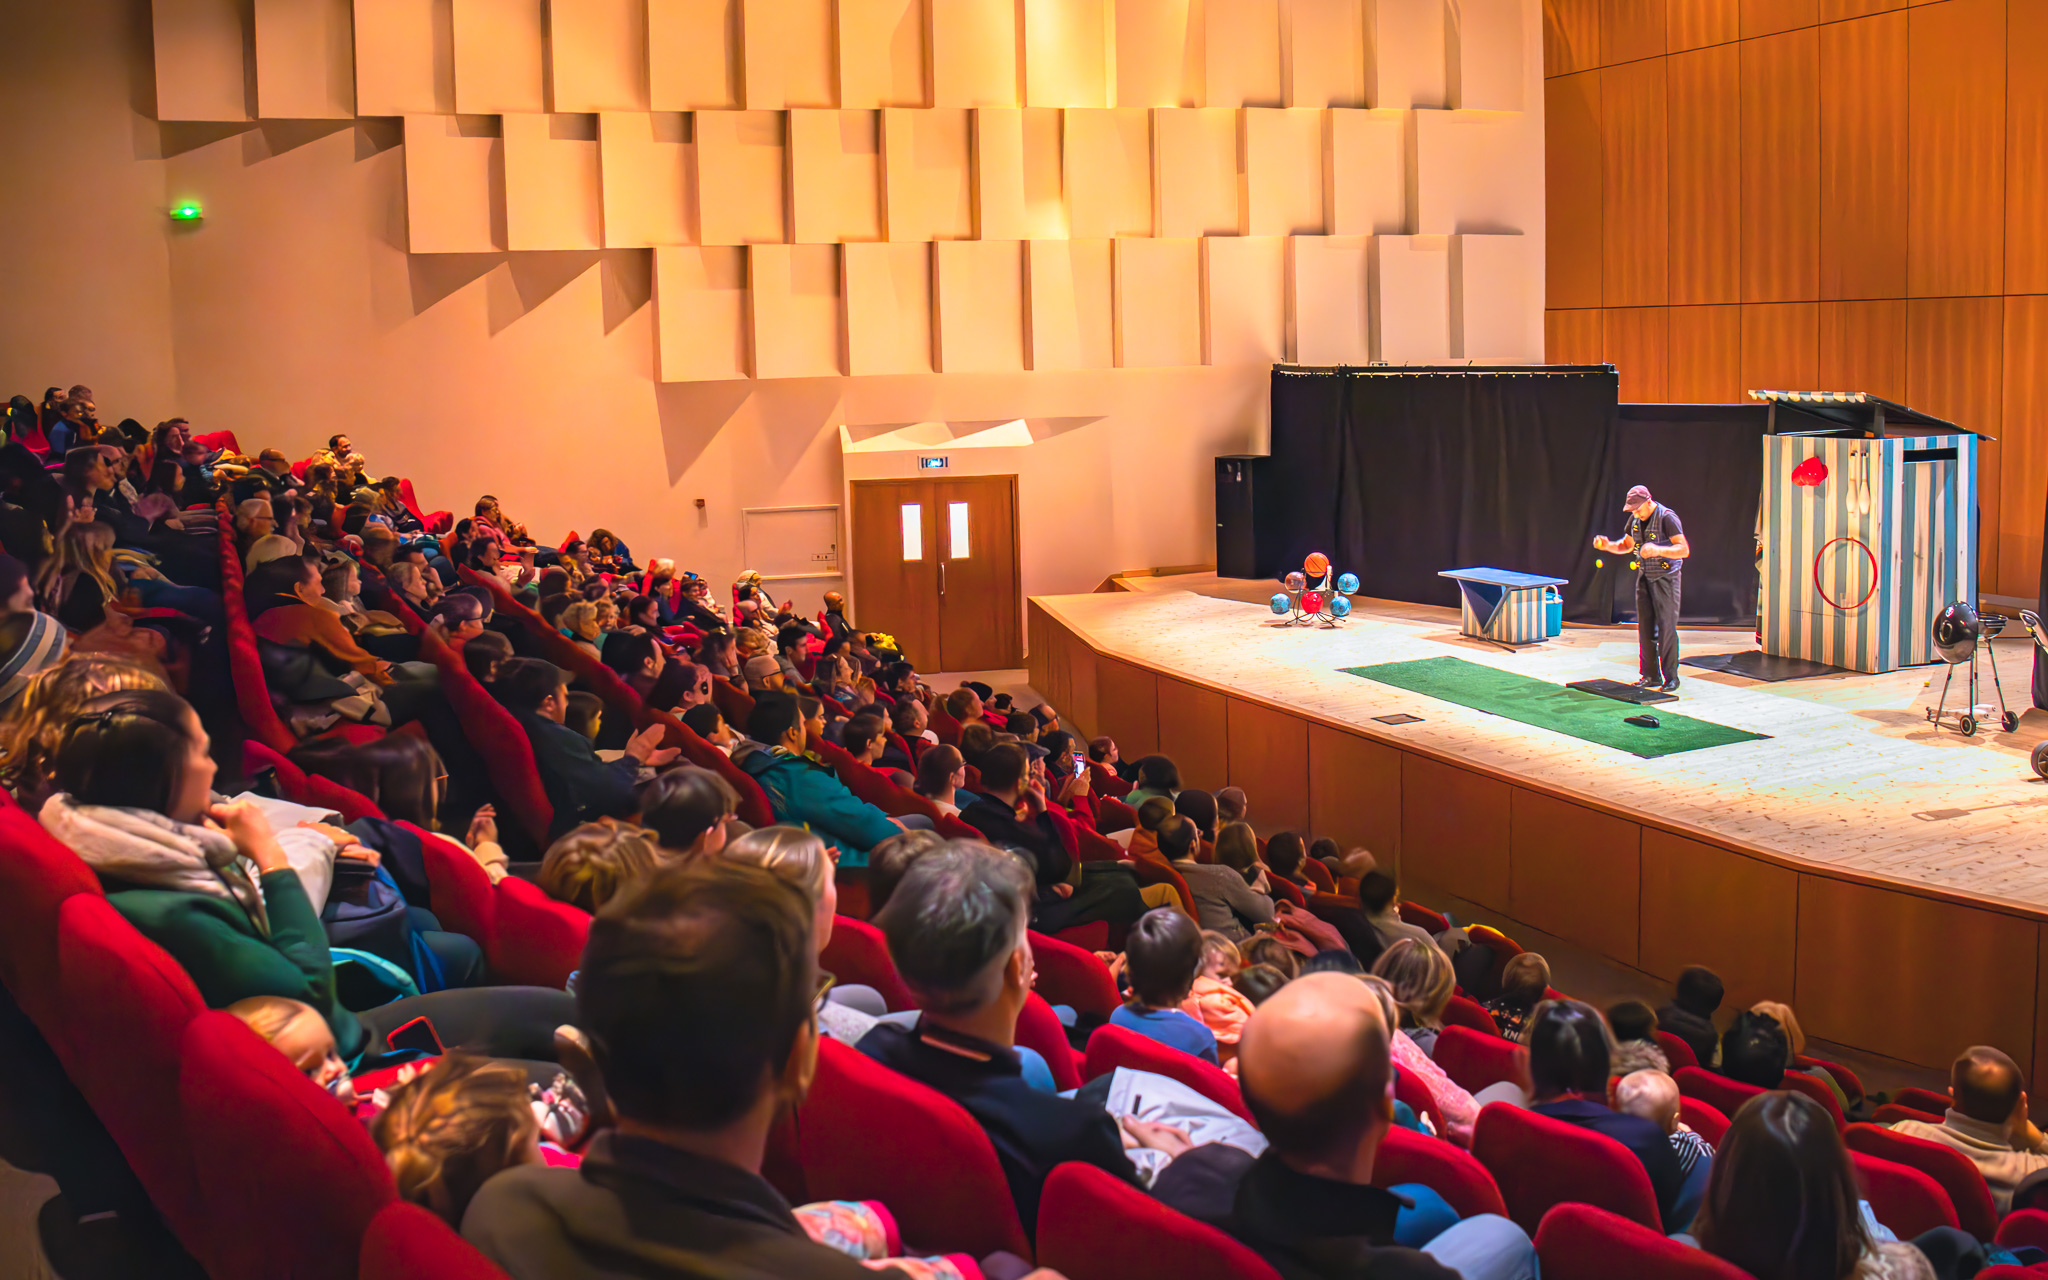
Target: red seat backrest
point(1040, 1029)
point(754, 808)
point(1903, 1198)
point(858, 953)
point(1961, 1179)
point(936, 1170)
point(733, 702)
point(405, 1242)
point(1812, 1088)
point(1891, 1113)
point(218, 440)
point(290, 1173)
point(1461, 1012)
point(944, 725)
point(540, 941)
point(1922, 1100)
point(1412, 1089)
point(1422, 917)
point(1284, 891)
point(1583, 1242)
point(498, 737)
point(1539, 1162)
point(1319, 875)
point(1070, 976)
point(308, 789)
point(1463, 1182)
point(1112, 1046)
point(36, 875)
point(1703, 1118)
point(459, 890)
point(1095, 847)
point(245, 663)
point(1475, 1060)
point(1726, 1096)
point(2024, 1227)
point(1844, 1077)
point(1113, 815)
point(950, 826)
point(1094, 1226)
point(1676, 1052)
point(870, 786)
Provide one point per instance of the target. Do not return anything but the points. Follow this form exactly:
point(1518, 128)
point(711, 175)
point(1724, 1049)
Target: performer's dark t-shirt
point(1662, 526)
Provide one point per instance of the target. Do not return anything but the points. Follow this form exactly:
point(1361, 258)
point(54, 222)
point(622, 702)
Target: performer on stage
point(1657, 538)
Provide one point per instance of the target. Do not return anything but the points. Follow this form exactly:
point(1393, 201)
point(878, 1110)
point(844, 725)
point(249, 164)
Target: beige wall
point(296, 309)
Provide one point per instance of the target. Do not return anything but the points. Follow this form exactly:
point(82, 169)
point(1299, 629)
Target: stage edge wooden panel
point(1269, 759)
point(1195, 731)
point(1354, 792)
point(1575, 872)
point(1454, 830)
point(1704, 904)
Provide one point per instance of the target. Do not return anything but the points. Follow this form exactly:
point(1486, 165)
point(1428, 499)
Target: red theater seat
point(1539, 1163)
point(1093, 1226)
point(1110, 1047)
point(1073, 977)
point(1040, 1030)
point(1422, 917)
point(1475, 1059)
point(1726, 1096)
point(1703, 1118)
point(405, 1242)
point(1411, 1089)
point(1583, 1242)
point(1902, 1197)
point(1113, 815)
point(1461, 1012)
point(1463, 1182)
point(311, 790)
point(1814, 1089)
point(857, 953)
point(1676, 1052)
point(1319, 875)
point(1975, 1212)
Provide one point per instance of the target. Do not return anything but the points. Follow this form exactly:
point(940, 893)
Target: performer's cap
point(1636, 498)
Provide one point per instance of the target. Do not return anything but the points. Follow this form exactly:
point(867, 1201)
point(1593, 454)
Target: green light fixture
point(187, 211)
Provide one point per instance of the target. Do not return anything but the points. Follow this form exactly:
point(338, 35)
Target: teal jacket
point(230, 959)
point(804, 791)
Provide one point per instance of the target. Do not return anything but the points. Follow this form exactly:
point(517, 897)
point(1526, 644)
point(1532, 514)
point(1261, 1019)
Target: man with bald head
point(1315, 1067)
point(1987, 1121)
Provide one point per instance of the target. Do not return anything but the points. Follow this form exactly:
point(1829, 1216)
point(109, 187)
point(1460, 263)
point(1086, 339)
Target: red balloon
point(1311, 602)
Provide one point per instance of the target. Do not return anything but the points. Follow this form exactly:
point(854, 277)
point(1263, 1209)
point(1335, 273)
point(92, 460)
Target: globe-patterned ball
point(1340, 607)
point(1279, 602)
point(1348, 583)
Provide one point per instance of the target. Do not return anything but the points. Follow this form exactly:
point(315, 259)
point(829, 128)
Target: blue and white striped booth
point(1503, 605)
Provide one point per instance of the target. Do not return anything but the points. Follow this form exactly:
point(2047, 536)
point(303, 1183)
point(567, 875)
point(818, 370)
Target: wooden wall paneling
point(1637, 342)
point(1571, 36)
point(1781, 346)
point(554, 196)
point(498, 56)
point(1734, 914)
point(1107, 162)
point(1487, 48)
point(882, 54)
point(1157, 315)
point(2040, 1045)
point(1455, 831)
point(1838, 10)
point(1269, 759)
point(1323, 53)
point(1409, 51)
point(1695, 24)
point(1780, 198)
point(1244, 300)
point(887, 289)
point(597, 54)
point(1575, 872)
point(1571, 189)
point(1863, 128)
point(404, 57)
point(1282, 193)
point(2022, 446)
point(742, 177)
point(972, 45)
point(1704, 93)
point(927, 191)
point(1706, 355)
point(1354, 793)
point(978, 306)
point(693, 54)
point(201, 59)
point(1408, 292)
point(2026, 148)
point(1365, 173)
point(1194, 732)
point(1195, 171)
point(1956, 241)
point(1127, 706)
point(1496, 295)
point(1158, 54)
point(788, 54)
point(648, 167)
point(454, 185)
point(1241, 54)
point(1070, 304)
point(700, 313)
point(1863, 348)
point(1082, 698)
point(1330, 312)
point(1877, 968)
point(1631, 30)
point(1067, 52)
point(794, 310)
point(1768, 17)
point(1634, 186)
point(305, 60)
point(835, 176)
point(1572, 337)
point(1954, 369)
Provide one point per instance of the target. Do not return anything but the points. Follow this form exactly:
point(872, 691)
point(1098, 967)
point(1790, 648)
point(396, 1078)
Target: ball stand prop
point(1312, 597)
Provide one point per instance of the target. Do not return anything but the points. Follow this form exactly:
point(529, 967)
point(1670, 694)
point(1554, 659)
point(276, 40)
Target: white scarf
point(150, 850)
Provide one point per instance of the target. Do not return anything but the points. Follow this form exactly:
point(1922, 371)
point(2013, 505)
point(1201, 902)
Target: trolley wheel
point(1929, 713)
point(2011, 721)
point(2040, 759)
point(1969, 726)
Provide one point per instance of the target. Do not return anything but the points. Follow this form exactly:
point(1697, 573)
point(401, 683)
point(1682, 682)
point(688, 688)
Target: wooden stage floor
point(1852, 777)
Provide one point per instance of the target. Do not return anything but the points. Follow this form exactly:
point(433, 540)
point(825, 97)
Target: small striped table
point(1502, 605)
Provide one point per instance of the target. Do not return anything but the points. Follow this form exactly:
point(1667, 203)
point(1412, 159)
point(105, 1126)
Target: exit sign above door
point(932, 464)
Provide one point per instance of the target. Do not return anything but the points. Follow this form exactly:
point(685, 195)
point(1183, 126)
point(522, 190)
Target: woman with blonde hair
point(594, 863)
point(28, 756)
point(451, 1127)
point(580, 624)
point(1422, 980)
point(806, 861)
point(75, 583)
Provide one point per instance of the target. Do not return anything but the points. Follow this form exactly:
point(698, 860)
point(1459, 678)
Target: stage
point(1888, 877)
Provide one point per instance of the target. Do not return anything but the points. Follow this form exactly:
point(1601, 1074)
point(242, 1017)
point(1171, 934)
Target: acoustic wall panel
point(1572, 337)
point(1571, 190)
point(454, 185)
point(882, 53)
point(1703, 94)
point(1696, 24)
point(835, 176)
point(740, 177)
point(554, 196)
point(1461, 159)
point(1780, 346)
point(1323, 53)
point(1766, 17)
point(1496, 290)
point(1408, 63)
point(1571, 36)
point(2022, 446)
point(927, 176)
point(1158, 302)
point(1330, 317)
point(793, 310)
point(693, 54)
point(1863, 128)
point(1956, 229)
point(2026, 153)
point(1863, 347)
point(200, 59)
point(1780, 134)
point(700, 313)
point(788, 56)
point(1283, 171)
point(1159, 53)
point(1637, 342)
point(1069, 303)
point(1066, 52)
point(1365, 173)
point(1954, 353)
point(1242, 60)
point(978, 306)
point(498, 56)
point(597, 54)
point(1634, 215)
point(305, 60)
point(887, 289)
point(1107, 161)
point(404, 57)
point(1244, 300)
point(1195, 173)
point(649, 171)
point(1706, 355)
point(1485, 49)
point(973, 47)
point(1019, 188)
point(1630, 31)
point(1410, 294)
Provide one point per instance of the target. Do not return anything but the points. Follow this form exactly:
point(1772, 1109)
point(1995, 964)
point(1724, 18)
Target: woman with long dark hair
point(1569, 1055)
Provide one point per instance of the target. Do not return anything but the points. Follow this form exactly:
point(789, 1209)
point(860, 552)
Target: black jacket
point(1642, 1137)
point(579, 785)
point(1697, 1032)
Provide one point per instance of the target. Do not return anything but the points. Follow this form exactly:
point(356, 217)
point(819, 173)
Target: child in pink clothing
point(1214, 1002)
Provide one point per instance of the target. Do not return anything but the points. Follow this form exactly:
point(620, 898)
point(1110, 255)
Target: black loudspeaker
point(1237, 551)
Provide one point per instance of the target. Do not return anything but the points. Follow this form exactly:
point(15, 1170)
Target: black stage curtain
point(1706, 462)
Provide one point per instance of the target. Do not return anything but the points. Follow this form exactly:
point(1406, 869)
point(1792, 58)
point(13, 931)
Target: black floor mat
point(1620, 692)
point(1755, 664)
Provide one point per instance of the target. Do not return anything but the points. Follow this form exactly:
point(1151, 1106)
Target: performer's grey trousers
point(1657, 627)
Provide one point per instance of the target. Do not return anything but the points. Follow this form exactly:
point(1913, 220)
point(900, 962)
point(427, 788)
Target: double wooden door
point(935, 565)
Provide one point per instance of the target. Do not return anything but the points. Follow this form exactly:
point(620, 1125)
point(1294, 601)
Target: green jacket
point(803, 791)
point(230, 960)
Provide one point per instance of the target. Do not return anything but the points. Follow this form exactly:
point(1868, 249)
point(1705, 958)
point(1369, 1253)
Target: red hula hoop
point(1822, 591)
